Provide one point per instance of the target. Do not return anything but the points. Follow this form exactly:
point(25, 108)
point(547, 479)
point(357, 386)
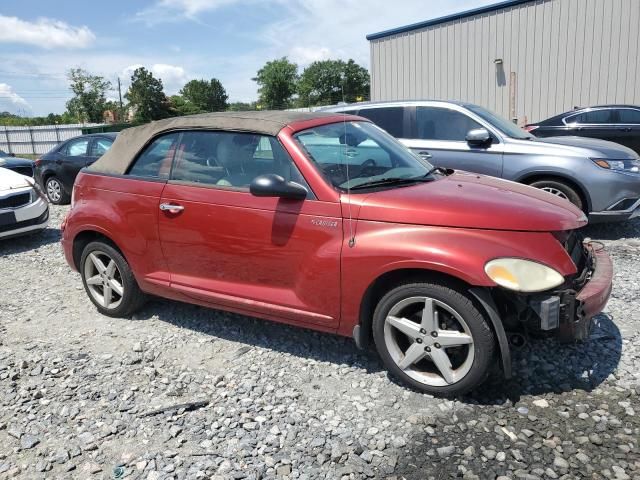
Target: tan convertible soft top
point(130, 141)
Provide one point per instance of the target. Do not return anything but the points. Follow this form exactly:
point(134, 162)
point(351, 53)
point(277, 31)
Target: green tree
point(88, 102)
point(328, 82)
point(147, 97)
point(206, 96)
point(242, 106)
point(277, 83)
point(179, 106)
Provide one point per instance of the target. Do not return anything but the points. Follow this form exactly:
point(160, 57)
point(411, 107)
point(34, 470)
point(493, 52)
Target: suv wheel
point(55, 191)
point(109, 281)
point(433, 337)
point(561, 190)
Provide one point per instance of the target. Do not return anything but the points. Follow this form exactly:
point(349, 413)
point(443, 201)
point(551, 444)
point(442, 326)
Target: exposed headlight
point(632, 166)
point(522, 275)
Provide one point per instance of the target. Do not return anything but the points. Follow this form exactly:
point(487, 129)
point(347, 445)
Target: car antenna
point(352, 238)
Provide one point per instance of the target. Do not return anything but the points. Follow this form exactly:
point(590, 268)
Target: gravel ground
point(185, 392)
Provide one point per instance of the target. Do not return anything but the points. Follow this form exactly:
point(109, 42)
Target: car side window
point(390, 119)
point(433, 123)
point(77, 148)
point(231, 159)
point(155, 160)
point(100, 147)
point(628, 115)
point(593, 117)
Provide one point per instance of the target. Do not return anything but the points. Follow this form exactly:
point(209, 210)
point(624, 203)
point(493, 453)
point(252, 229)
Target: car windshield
point(505, 126)
point(356, 155)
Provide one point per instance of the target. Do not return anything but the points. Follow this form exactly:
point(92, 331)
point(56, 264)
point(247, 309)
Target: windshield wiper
point(390, 181)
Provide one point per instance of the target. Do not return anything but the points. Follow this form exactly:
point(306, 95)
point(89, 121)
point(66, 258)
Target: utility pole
point(120, 93)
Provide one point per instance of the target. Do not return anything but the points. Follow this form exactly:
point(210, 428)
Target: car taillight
point(38, 162)
point(531, 128)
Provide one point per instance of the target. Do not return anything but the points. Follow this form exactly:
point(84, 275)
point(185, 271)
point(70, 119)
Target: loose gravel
point(183, 392)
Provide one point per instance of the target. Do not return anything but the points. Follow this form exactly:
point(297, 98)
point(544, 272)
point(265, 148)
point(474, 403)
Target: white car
point(23, 206)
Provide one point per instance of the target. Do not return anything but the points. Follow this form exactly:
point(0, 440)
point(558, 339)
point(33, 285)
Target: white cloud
point(174, 10)
point(307, 55)
point(11, 101)
point(173, 76)
point(45, 33)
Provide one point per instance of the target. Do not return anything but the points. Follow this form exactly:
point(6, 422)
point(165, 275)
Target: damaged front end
point(565, 312)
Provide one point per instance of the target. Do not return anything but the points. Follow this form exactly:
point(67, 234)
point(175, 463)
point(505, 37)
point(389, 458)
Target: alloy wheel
point(104, 279)
point(429, 341)
point(556, 192)
point(54, 190)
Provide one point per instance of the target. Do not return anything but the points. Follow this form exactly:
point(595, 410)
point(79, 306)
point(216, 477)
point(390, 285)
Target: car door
point(439, 135)
point(629, 127)
point(99, 146)
point(598, 123)
point(72, 159)
point(267, 256)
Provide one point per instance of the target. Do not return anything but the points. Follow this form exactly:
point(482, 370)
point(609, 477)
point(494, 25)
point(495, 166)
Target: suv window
point(100, 147)
point(229, 159)
point(77, 148)
point(155, 160)
point(390, 119)
point(595, 116)
point(628, 115)
point(433, 123)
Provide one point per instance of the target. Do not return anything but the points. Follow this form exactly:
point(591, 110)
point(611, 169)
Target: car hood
point(467, 200)
point(10, 180)
point(591, 147)
point(14, 162)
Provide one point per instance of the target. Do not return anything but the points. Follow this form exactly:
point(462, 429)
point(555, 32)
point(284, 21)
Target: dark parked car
point(22, 166)
point(57, 170)
point(616, 123)
point(327, 222)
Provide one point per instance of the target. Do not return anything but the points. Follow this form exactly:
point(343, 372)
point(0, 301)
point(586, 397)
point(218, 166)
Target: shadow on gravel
point(541, 366)
point(546, 366)
point(298, 341)
point(25, 243)
point(613, 231)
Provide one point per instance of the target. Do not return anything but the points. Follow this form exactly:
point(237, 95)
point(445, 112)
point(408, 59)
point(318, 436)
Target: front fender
point(381, 248)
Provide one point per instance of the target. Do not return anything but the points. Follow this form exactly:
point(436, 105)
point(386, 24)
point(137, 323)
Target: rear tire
point(432, 337)
point(560, 189)
point(109, 281)
point(55, 191)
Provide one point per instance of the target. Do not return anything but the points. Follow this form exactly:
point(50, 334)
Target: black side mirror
point(479, 137)
point(272, 185)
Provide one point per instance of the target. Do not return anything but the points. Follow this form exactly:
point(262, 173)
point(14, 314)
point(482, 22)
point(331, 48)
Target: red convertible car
point(325, 221)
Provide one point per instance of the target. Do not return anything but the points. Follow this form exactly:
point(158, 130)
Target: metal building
point(524, 59)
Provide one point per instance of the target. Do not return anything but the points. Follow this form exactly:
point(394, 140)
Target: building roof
point(130, 141)
point(447, 18)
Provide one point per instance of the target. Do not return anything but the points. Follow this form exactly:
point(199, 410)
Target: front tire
point(109, 281)
point(560, 189)
point(55, 191)
point(432, 337)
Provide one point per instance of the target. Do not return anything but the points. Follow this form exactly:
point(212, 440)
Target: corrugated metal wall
point(38, 139)
point(563, 53)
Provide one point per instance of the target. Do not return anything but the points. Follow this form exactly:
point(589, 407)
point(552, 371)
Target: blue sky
point(183, 39)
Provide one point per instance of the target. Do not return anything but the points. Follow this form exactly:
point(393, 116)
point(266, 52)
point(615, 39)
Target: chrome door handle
point(425, 155)
point(171, 208)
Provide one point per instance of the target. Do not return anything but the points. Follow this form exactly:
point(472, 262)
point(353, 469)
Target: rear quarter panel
point(125, 210)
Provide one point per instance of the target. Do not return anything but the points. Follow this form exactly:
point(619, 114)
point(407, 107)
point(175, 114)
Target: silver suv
point(600, 177)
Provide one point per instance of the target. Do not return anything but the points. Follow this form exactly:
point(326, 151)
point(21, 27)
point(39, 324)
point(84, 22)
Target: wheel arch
point(580, 189)
point(363, 332)
point(84, 238)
